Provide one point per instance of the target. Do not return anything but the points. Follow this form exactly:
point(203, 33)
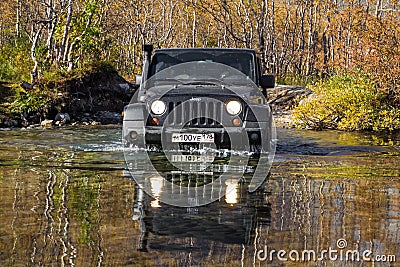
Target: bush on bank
point(347, 101)
point(15, 61)
point(37, 101)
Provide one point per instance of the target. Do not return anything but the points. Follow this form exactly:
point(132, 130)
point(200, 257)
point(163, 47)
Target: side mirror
point(267, 81)
point(138, 79)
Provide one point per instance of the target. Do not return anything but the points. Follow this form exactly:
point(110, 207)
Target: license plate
point(192, 158)
point(192, 172)
point(192, 138)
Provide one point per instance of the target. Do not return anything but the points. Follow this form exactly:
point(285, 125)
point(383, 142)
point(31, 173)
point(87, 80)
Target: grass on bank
point(347, 101)
point(15, 100)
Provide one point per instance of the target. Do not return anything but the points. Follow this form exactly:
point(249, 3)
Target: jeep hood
point(206, 90)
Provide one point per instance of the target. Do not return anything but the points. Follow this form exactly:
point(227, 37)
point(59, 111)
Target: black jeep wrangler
point(200, 97)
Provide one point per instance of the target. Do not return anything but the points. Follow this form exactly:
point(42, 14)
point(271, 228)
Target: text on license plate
point(197, 138)
point(193, 158)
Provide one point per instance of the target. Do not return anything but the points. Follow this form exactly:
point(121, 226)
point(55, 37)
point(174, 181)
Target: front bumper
point(243, 137)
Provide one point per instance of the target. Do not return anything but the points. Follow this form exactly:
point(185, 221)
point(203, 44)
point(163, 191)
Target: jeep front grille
point(203, 113)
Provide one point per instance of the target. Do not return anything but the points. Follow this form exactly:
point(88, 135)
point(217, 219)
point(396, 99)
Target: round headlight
point(158, 107)
point(233, 107)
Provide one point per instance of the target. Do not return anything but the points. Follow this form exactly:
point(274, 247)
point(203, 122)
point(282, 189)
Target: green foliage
point(15, 64)
point(7, 95)
point(41, 51)
point(102, 67)
point(53, 75)
point(347, 102)
point(29, 101)
point(87, 29)
point(52, 81)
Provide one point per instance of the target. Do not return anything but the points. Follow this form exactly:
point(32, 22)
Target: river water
point(66, 199)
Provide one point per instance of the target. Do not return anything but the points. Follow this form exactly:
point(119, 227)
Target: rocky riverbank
point(282, 99)
point(99, 99)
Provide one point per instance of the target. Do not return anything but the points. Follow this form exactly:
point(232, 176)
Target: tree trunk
point(194, 24)
point(68, 57)
point(34, 72)
point(64, 40)
point(53, 19)
point(18, 22)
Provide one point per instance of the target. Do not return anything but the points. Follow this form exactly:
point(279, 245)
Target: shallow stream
point(66, 199)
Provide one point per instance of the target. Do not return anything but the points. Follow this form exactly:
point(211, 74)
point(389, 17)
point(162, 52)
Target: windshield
point(199, 73)
point(242, 61)
point(208, 81)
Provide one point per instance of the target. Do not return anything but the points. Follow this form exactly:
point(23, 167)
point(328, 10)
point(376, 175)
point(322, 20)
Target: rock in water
point(107, 117)
point(47, 123)
point(62, 118)
point(11, 123)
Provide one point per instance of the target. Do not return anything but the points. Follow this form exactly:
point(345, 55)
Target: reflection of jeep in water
point(200, 97)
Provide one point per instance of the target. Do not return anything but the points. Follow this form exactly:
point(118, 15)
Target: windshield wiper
point(199, 83)
point(208, 81)
point(167, 80)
